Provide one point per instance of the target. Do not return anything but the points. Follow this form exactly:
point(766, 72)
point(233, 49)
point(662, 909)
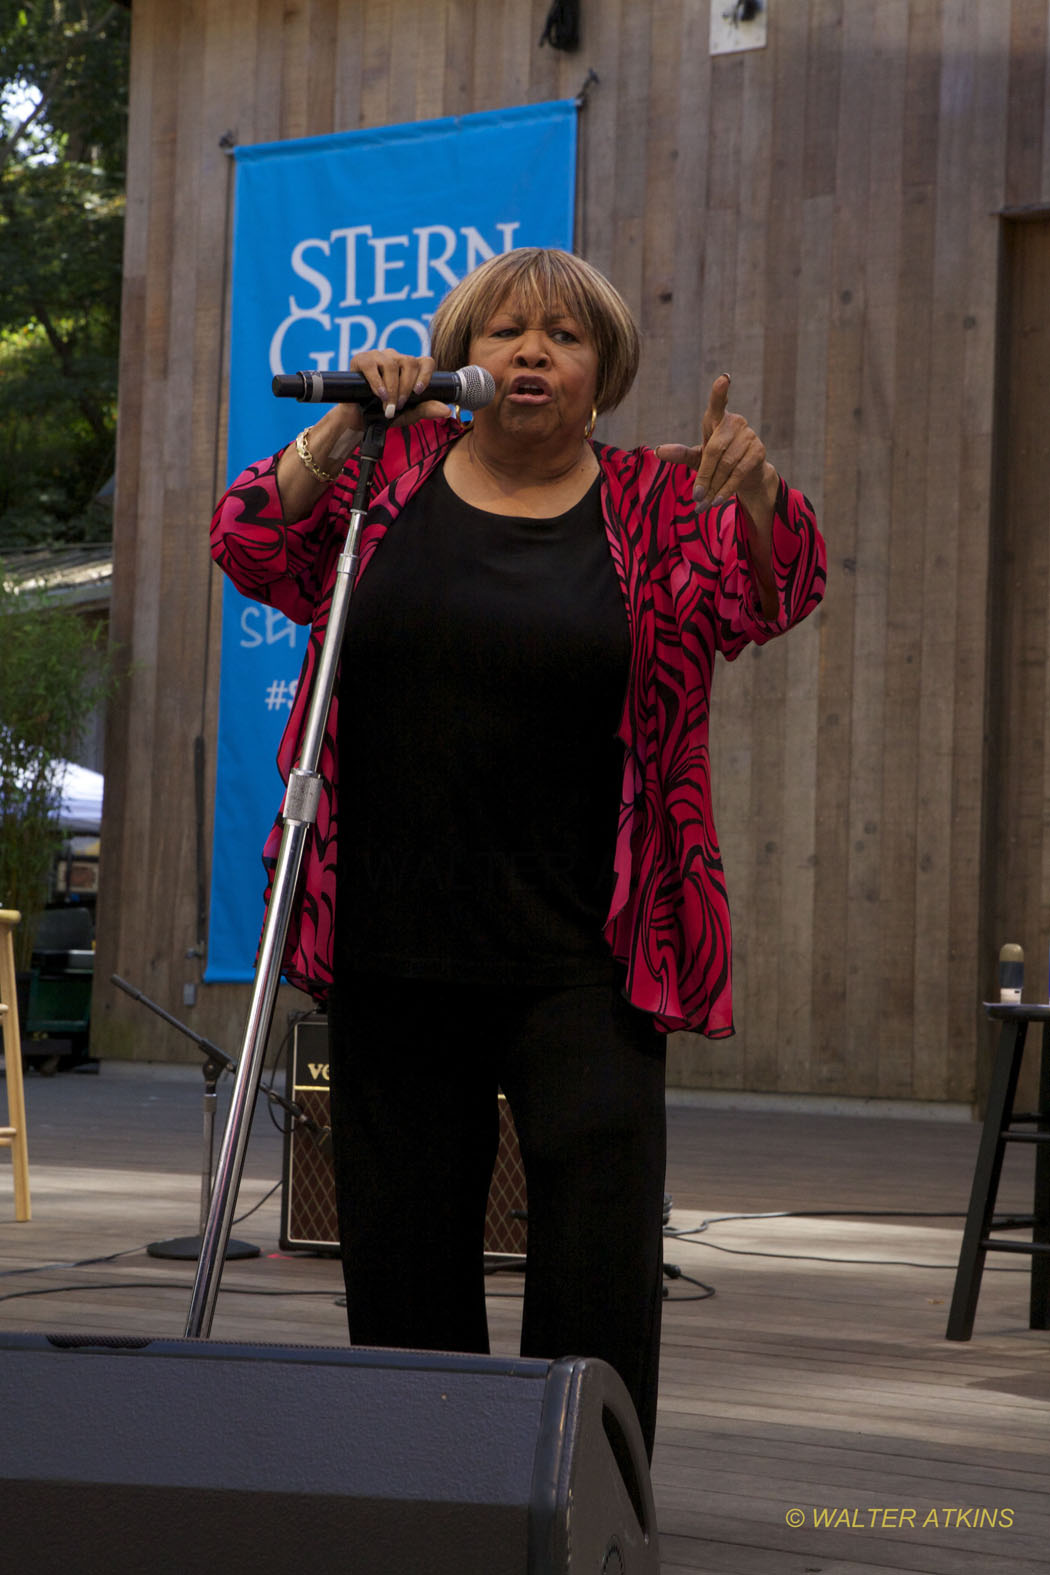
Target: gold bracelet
point(308, 460)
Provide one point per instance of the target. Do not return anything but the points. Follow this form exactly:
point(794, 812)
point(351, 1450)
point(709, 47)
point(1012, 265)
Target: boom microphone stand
point(216, 1062)
point(188, 1248)
point(300, 813)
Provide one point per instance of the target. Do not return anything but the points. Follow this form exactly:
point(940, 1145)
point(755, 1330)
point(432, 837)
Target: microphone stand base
point(189, 1247)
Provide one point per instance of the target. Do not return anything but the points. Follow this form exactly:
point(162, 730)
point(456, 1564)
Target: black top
point(484, 671)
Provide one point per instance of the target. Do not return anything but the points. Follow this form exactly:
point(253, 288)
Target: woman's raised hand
point(730, 459)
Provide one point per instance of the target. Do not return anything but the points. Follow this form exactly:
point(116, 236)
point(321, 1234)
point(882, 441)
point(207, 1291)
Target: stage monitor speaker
point(172, 1457)
point(308, 1213)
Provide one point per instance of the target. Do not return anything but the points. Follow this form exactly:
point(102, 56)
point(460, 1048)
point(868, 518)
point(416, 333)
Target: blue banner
point(341, 244)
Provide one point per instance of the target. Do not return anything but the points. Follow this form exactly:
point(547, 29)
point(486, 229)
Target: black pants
point(415, 1069)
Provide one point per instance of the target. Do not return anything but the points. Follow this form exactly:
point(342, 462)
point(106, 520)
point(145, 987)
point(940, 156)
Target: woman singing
point(514, 880)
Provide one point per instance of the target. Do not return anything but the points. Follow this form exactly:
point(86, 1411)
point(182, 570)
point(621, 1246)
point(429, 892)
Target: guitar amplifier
point(308, 1212)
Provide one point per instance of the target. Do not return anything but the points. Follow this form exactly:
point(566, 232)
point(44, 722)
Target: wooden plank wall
point(1016, 900)
point(818, 217)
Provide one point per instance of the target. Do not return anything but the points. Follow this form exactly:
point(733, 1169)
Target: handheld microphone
point(471, 388)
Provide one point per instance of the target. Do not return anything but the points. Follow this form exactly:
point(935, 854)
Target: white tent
point(81, 809)
point(80, 805)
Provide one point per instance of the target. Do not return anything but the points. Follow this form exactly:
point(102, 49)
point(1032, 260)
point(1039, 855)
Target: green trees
point(63, 102)
point(63, 113)
point(53, 670)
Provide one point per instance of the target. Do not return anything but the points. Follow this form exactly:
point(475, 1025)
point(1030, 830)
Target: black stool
point(1001, 1126)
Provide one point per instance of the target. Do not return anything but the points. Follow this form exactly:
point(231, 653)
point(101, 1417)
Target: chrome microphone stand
point(300, 813)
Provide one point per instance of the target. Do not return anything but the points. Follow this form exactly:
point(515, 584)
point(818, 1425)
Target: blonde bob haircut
point(536, 280)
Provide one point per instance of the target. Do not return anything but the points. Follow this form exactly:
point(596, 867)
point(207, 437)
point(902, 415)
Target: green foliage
point(73, 54)
point(63, 103)
point(53, 672)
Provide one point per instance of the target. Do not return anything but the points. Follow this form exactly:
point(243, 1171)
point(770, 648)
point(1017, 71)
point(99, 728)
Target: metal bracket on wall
point(592, 79)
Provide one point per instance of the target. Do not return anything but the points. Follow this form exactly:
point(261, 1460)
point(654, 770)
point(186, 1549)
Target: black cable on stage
point(690, 1234)
point(125, 1252)
point(153, 1285)
point(673, 1272)
point(865, 1263)
point(78, 1263)
point(256, 1206)
point(686, 1234)
point(818, 1214)
point(270, 1087)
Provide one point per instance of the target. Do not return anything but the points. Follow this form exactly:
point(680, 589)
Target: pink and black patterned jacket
point(689, 591)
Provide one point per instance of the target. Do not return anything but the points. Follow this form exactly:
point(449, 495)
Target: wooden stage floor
point(815, 1387)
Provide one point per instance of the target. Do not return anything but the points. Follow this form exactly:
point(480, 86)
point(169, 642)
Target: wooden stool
point(1001, 1126)
point(13, 1136)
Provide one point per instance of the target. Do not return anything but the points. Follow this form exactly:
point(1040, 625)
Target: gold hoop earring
point(589, 428)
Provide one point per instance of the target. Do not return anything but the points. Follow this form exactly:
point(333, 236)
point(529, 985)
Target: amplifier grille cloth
point(308, 1213)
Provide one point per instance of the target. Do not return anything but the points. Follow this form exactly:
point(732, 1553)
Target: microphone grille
point(476, 387)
